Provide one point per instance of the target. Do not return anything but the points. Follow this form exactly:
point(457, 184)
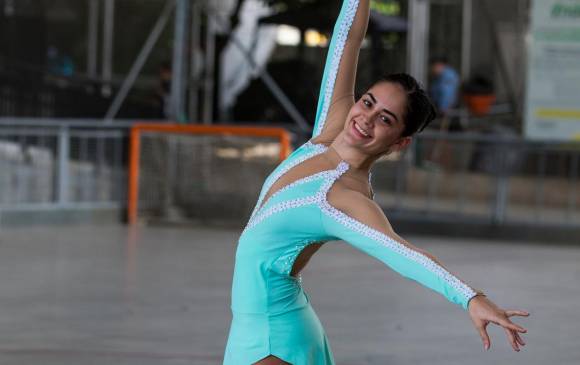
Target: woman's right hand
point(483, 312)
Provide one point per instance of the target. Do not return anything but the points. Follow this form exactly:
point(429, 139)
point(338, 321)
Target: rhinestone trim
point(294, 203)
point(300, 181)
point(341, 35)
point(320, 198)
point(392, 244)
point(289, 261)
point(332, 175)
point(317, 149)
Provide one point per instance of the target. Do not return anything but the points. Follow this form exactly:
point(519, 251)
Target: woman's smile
point(359, 131)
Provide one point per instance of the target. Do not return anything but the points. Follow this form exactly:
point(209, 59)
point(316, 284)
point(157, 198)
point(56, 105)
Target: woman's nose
point(368, 119)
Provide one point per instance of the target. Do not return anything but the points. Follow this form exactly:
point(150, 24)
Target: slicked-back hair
point(419, 111)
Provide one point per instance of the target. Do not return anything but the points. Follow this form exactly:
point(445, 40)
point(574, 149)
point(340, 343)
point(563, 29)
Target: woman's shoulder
point(359, 206)
point(355, 204)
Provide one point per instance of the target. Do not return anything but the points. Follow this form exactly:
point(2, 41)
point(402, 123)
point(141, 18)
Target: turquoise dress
point(271, 312)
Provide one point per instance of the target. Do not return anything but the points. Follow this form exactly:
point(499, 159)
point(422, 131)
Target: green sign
point(386, 7)
point(553, 86)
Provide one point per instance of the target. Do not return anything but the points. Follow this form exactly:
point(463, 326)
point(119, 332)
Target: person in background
point(443, 90)
point(163, 90)
point(444, 85)
point(58, 63)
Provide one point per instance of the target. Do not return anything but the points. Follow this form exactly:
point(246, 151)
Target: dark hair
point(420, 110)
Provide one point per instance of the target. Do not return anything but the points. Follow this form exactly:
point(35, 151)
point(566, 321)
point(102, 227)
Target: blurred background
point(76, 75)
point(121, 120)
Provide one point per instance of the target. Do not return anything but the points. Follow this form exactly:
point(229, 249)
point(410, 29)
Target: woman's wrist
point(478, 293)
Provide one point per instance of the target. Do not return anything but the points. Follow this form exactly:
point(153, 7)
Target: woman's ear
point(401, 144)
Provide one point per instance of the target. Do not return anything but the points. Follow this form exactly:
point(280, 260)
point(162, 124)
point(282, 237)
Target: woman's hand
point(483, 311)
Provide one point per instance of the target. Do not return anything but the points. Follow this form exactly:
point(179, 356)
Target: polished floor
point(108, 295)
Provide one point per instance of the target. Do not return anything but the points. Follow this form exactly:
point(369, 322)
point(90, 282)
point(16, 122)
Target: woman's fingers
point(511, 313)
point(512, 339)
point(484, 337)
point(506, 323)
point(519, 338)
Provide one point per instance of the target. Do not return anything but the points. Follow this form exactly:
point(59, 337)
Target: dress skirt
point(296, 337)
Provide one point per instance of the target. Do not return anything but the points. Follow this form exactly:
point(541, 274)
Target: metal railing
point(482, 178)
point(453, 177)
point(48, 164)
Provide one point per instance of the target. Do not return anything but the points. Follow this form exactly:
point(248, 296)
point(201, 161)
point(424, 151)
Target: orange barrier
point(136, 130)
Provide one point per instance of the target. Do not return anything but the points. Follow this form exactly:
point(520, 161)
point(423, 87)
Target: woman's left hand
point(483, 312)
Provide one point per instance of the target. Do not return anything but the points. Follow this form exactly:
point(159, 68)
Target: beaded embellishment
point(285, 262)
point(300, 181)
point(320, 199)
point(342, 30)
point(387, 241)
point(317, 149)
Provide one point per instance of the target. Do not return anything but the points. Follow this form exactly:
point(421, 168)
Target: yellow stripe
point(558, 113)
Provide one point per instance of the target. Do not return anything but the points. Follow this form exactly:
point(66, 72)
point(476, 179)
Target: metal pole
point(573, 186)
point(209, 69)
point(501, 58)
point(540, 178)
point(466, 38)
point(140, 61)
point(63, 168)
point(501, 183)
point(178, 68)
point(193, 70)
point(92, 38)
point(418, 40)
point(107, 61)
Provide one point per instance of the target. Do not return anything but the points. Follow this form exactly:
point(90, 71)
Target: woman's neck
point(355, 158)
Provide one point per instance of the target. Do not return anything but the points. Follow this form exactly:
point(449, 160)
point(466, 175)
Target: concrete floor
point(105, 295)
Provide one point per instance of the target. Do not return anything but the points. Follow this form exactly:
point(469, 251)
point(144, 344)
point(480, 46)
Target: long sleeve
point(342, 58)
point(408, 262)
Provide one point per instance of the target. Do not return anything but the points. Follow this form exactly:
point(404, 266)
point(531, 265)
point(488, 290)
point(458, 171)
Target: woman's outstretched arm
point(360, 222)
point(337, 88)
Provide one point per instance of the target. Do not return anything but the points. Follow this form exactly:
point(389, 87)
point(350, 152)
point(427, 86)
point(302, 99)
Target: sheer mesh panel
point(194, 177)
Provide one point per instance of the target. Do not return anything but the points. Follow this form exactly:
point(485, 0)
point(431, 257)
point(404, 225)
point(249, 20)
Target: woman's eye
point(366, 102)
point(385, 119)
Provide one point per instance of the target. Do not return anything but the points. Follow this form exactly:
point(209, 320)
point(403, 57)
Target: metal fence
point(49, 164)
point(482, 178)
point(452, 177)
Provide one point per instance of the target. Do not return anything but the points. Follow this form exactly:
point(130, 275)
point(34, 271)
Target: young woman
point(321, 193)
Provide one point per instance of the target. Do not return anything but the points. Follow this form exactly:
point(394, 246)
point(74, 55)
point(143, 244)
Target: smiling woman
point(322, 193)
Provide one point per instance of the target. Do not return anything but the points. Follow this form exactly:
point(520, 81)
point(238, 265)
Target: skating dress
point(271, 312)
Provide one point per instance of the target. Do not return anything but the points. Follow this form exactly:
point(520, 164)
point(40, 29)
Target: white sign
point(553, 87)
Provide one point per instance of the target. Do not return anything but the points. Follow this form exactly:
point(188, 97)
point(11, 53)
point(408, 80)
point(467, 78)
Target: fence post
point(63, 165)
point(501, 184)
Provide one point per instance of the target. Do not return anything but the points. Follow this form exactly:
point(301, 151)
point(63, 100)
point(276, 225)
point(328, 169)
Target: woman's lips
point(357, 132)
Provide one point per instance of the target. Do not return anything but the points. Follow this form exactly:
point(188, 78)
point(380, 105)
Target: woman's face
point(375, 122)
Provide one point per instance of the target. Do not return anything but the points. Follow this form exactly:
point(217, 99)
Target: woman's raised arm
point(337, 89)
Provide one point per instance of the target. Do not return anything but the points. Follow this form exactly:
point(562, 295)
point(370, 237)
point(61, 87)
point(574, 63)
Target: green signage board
point(553, 80)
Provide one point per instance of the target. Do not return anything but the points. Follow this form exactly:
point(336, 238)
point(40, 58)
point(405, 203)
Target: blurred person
point(444, 85)
point(322, 193)
point(58, 63)
point(163, 90)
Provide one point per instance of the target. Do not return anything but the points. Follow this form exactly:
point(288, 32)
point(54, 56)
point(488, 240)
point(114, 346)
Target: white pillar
point(418, 40)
